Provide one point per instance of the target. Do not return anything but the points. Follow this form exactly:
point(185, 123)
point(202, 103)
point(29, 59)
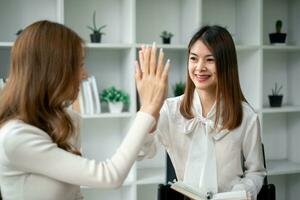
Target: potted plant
point(97, 33)
point(179, 88)
point(115, 99)
point(278, 37)
point(166, 37)
point(276, 98)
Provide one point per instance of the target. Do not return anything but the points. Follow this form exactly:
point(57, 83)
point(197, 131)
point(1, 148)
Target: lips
point(202, 77)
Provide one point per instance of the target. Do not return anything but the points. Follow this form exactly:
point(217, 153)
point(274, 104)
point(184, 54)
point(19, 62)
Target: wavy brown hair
point(44, 76)
point(219, 41)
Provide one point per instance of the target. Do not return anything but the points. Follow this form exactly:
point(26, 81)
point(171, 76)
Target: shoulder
point(172, 104)
point(171, 109)
point(249, 114)
point(15, 135)
point(19, 129)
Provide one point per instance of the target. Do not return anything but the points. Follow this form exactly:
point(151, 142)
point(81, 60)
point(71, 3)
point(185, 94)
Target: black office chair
point(268, 191)
point(164, 191)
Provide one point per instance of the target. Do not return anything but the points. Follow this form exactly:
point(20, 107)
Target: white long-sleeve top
point(32, 167)
point(233, 149)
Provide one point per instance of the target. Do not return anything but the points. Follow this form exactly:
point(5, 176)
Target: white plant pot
point(115, 107)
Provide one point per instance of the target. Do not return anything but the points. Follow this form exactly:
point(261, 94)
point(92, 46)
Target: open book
point(194, 194)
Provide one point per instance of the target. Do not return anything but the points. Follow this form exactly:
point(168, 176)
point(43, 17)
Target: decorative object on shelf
point(115, 99)
point(97, 33)
point(166, 37)
point(88, 97)
point(19, 32)
point(276, 98)
point(278, 37)
point(178, 88)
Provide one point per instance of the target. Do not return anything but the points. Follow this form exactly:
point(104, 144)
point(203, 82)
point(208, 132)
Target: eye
point(210, 60)
point(193, 58)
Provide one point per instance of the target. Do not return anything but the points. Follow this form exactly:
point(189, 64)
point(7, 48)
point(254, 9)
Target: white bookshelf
point(283, 48)
point(131, 23)
point(108, 46)
point(282, 167)
point(6, 44)
point(283, 109)
point(154, 175)
point(107, 115)
point(167, 46)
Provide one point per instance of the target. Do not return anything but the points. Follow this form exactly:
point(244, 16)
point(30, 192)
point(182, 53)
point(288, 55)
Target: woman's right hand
point(152, 80)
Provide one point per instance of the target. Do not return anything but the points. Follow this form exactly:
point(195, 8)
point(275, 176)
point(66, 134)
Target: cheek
point(215, 77)
point(214, 68)
point(191, 70)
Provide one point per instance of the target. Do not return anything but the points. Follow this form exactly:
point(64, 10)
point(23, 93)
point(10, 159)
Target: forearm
point(149, 148)
point(252, 183)
point(131, 145)
point(26, 145)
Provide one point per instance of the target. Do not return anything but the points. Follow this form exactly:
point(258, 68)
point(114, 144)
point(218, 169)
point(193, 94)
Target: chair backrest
point(170, 175)
point(268, 191)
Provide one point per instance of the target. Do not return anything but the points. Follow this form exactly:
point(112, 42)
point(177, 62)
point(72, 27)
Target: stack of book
point(88, 97)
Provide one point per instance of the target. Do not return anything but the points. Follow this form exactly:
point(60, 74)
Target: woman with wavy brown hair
point(39, 152)
point(211, 133)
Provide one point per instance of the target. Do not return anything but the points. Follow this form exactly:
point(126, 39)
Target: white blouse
point(32, 167)
point(233, 149)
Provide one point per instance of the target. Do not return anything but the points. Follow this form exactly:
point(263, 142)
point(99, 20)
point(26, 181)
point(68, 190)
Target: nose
point(200, 65)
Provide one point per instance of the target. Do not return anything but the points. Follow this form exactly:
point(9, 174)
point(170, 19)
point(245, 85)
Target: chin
point(202, 86)
point(205, 87)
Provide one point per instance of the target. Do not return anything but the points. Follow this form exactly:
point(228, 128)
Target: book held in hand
point(190, 192)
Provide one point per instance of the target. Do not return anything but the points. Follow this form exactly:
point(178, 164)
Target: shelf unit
point(282, 167)
point(131, 23)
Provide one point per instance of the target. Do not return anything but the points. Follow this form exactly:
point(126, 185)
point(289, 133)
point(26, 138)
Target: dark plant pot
point(166, 40)
point(95, 37)
point(277, 38)
point(275, 100)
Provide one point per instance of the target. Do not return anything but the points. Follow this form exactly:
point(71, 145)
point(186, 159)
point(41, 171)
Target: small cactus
point(276, 90)
point(94, 28)
point(278, 26)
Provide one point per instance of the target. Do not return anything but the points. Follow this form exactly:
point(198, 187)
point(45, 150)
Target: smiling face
point(202, 67)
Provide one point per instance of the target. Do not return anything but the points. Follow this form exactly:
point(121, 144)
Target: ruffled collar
point(208, 121)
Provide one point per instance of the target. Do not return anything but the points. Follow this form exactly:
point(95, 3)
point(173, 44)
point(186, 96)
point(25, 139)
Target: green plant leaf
point(276, 90)
point(111, 94)
point(94, 28)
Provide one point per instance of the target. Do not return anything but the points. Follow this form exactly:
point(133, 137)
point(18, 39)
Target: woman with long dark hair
point(211, 133)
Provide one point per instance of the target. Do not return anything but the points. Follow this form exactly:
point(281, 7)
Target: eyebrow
point(208, 55)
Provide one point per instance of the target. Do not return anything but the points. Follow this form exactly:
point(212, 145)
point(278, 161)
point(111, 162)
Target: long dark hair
point(44, 74)
point(220, 43)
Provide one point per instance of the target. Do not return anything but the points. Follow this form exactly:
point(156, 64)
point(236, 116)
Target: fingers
point(152, 67)
point(138, 72)
point(141, 58)
point(160, 64)
point(146, 56)
point(166, 70)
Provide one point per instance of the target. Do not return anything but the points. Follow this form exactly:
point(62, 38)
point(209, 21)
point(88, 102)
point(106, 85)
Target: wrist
point(150, 110)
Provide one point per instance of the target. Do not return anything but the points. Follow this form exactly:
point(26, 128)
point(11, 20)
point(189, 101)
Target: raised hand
point(152, 79)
